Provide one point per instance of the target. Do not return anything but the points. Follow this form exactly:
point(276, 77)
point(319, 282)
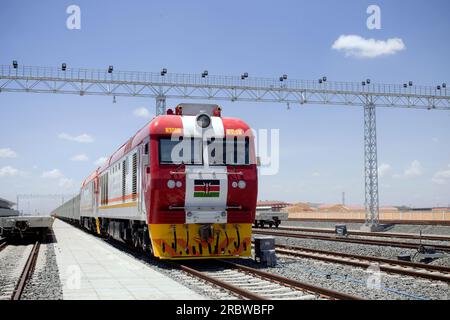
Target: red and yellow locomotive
point(184, 186)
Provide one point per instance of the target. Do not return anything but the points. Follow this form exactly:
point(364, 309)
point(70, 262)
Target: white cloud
point(383, 169)
point(65, 183)
point(9, 171)
point(100, 161)
point(56, 174)
point(357, 46)
point(414, 169)
point(316, 174)
point(442, 177)
point(82, 138)
point(52, 174)
point(7, 153)
point(80, 157)
point(142, 113)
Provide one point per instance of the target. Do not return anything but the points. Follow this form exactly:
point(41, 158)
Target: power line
point(164, 85)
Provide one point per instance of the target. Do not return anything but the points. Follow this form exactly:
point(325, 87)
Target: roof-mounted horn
point(193, 109)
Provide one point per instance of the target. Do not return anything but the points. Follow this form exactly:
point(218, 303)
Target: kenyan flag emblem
point(206, 188)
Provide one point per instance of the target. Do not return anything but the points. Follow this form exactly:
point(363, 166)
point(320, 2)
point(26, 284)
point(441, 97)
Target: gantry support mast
point(371, 166)
point(163, 85)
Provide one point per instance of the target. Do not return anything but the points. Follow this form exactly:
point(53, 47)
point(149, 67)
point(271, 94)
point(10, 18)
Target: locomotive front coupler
point(206, 232)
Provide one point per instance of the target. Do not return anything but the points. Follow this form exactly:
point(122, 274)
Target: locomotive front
point(201, 184)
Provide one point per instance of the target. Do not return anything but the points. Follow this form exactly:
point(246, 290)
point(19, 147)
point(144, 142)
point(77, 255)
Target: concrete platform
point(91, 269)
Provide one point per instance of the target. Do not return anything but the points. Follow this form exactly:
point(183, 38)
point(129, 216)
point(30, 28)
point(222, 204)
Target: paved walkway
point(89, 268)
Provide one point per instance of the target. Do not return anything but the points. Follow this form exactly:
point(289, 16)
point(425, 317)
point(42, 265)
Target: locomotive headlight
point(234, 184)
point(242, 184)
point(203, 120)
point(171, 184)
point(178, 184)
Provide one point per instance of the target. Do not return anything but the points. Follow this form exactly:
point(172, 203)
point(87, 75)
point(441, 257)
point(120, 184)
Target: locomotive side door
point(145, 173)
point(95, 193)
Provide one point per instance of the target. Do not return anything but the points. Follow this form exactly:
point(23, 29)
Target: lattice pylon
point(371, 165)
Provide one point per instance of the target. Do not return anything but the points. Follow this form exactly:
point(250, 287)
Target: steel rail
point(386, 243)
point(328, 293)
point(239, 291)
point(3, 245)
point(383, 221)
point(26, 272)
point(432, 272)
point(372, 234)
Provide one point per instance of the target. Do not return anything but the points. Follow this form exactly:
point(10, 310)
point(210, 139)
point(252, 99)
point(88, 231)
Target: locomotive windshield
point(177, 151)
point(230, 151)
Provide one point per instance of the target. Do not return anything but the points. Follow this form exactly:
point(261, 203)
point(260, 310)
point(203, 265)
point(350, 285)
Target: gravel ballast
point(12, 261)
point(368, 284)
point(398, 228)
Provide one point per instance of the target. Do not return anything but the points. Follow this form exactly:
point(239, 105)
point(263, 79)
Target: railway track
point(17, 269)
point(383, 221)
point(254, 284)
point(245, 282)
point(372, 234)
point(419, 270)
point(376, 242)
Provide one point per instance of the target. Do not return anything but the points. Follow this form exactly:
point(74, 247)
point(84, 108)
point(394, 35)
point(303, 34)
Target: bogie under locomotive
point(184, 186)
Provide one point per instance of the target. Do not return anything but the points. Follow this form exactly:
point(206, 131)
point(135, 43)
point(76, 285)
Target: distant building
point(441, 209)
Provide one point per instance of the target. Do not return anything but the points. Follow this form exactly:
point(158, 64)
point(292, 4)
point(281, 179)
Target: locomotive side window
point(188, 151)
point(166, 149)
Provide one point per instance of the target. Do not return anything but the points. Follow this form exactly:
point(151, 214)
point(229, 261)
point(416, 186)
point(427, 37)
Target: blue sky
point(321, 146)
